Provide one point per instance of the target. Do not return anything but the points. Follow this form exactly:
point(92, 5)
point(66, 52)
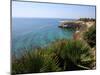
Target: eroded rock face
point(76, 35)
point(71, 24)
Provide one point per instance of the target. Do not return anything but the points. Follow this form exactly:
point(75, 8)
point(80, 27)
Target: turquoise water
point(36, 32)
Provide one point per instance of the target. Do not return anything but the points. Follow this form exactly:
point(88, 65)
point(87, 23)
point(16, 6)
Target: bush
point(61, 55)
point(76, 51)
point(34, 61)
point(90, 36)
point(73, 54)
point(87, 19)
point(30, 62)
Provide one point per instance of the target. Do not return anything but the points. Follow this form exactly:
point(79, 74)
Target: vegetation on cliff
point(86, 19)
point(90, 36)
point(62, 55)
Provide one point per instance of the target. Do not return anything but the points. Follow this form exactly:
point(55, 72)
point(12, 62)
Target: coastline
point(80, 26)
point(60, 55)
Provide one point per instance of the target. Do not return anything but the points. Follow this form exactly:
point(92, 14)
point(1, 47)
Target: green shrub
point(87, 19)
point(61, 55)
point(90, 36)
point(50, 65)
point(35, 61)
point(30, 62)
point(76, 51)
point(72, 53)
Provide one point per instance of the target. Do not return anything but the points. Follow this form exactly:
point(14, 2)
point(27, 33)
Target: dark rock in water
point(71, 24)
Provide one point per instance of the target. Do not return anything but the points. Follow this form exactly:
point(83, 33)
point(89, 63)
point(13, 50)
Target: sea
point(34, 33)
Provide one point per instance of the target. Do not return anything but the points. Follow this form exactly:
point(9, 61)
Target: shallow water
point(36, 32)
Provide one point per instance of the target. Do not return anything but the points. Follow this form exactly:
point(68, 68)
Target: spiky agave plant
point(51, 64)
point(76, 55)
point(61, 55)
point(35, 61)
point(30, 62)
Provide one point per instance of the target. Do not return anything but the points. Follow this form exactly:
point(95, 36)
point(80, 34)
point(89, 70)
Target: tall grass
point(61, 55)
point(73, 53)
point(28, 63)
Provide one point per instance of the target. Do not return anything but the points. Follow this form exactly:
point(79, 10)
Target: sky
point(48, 10)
